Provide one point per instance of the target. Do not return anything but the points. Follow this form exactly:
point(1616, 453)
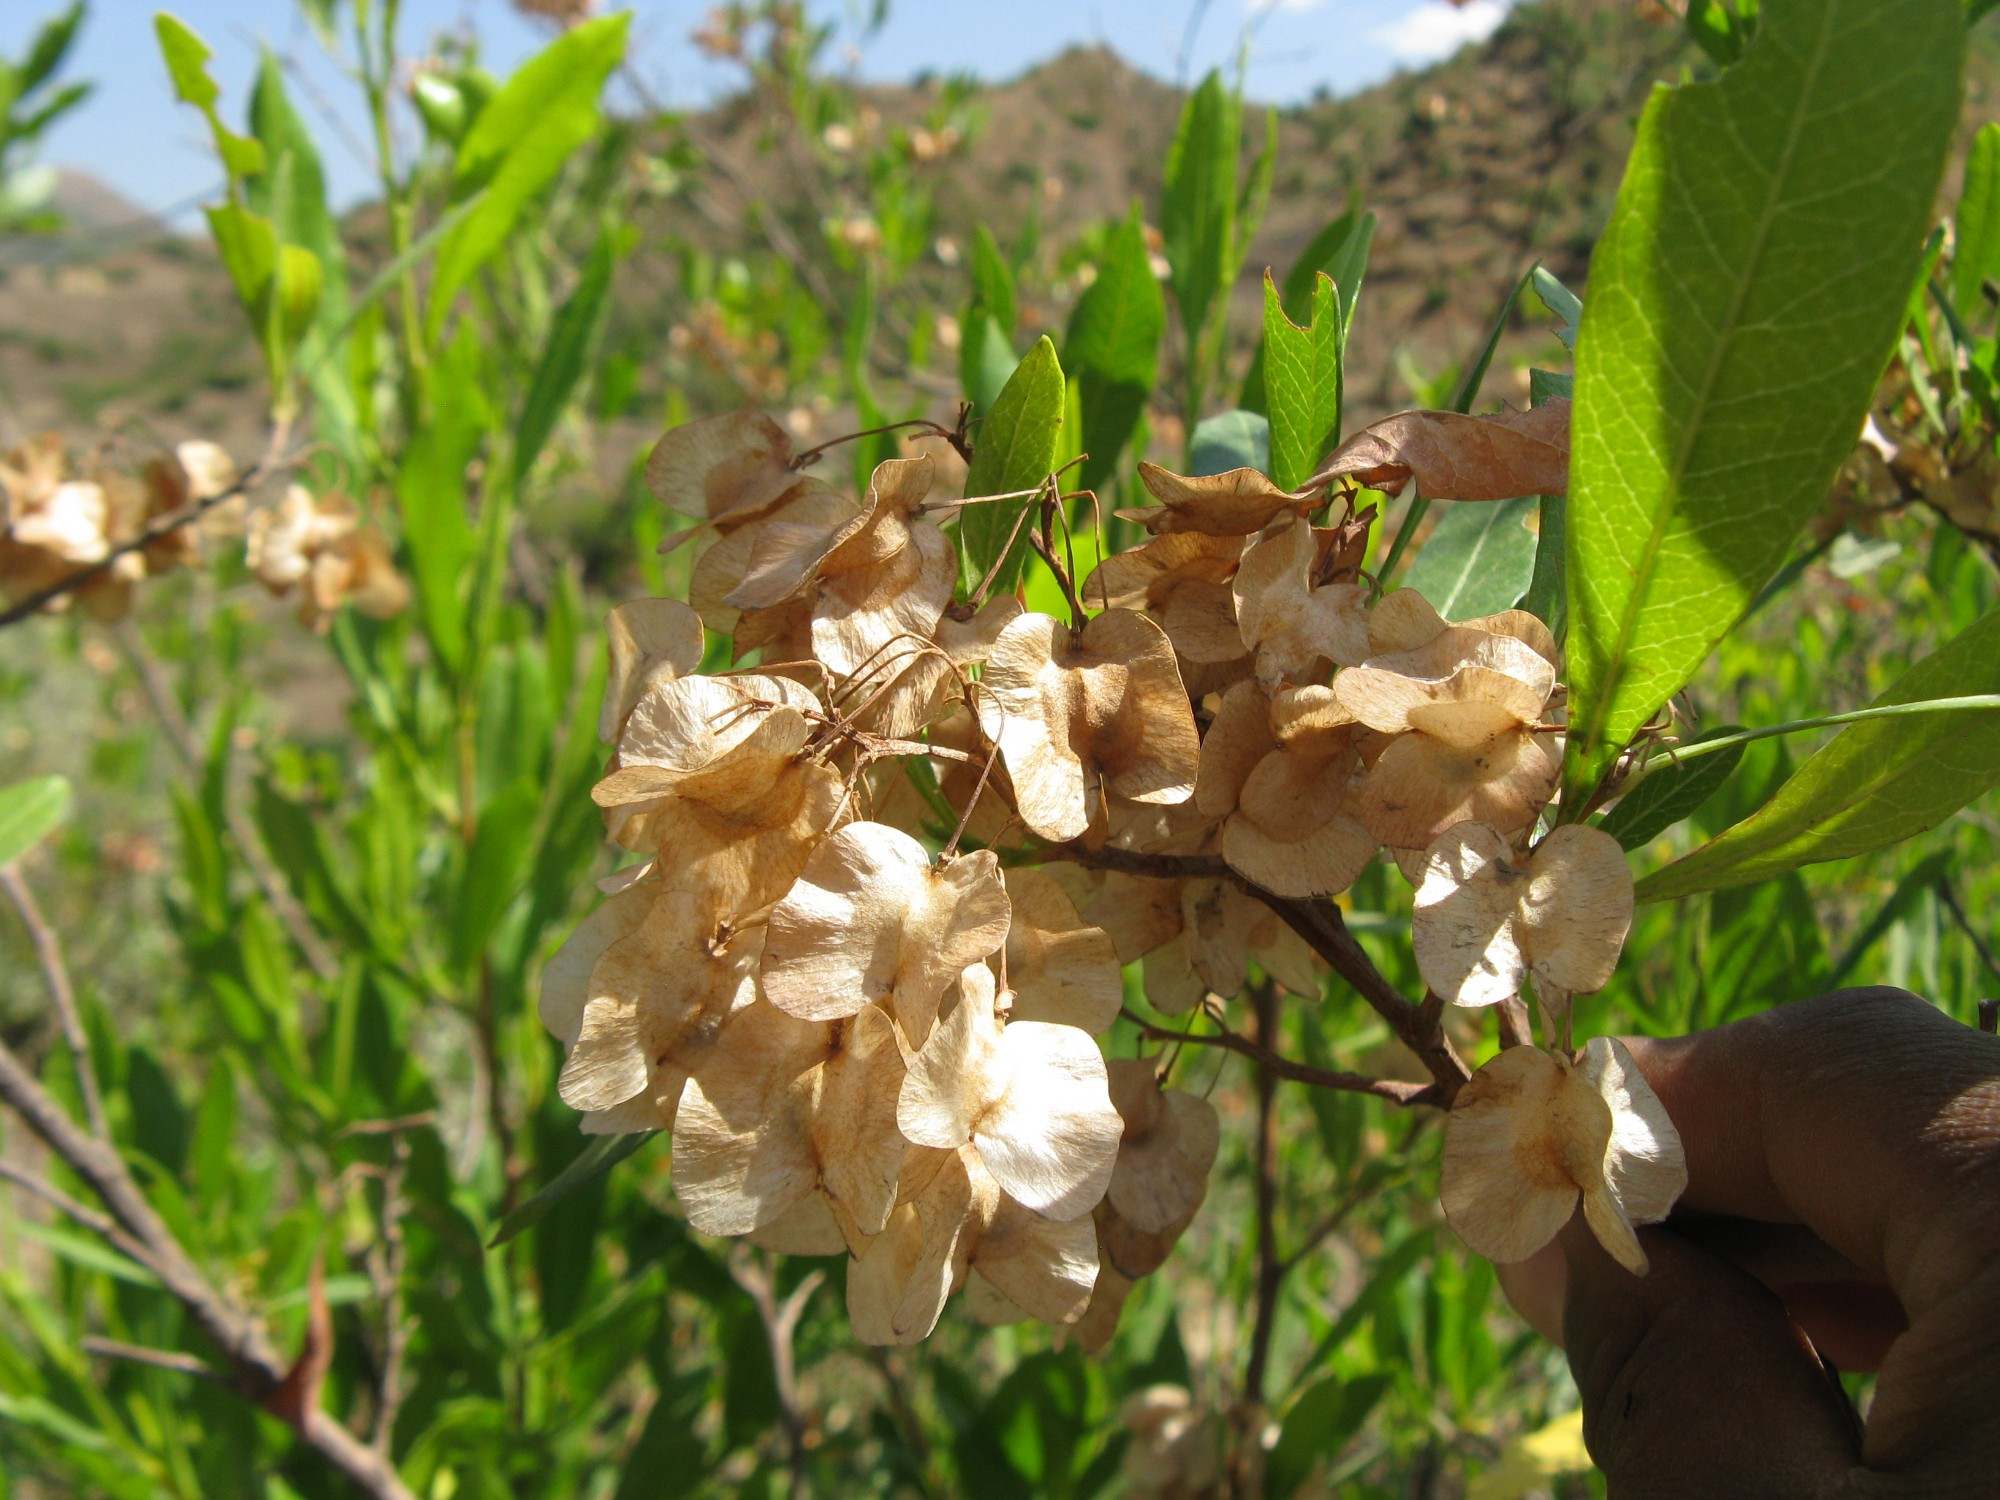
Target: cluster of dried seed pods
point(865, 1047)
point(100, 530)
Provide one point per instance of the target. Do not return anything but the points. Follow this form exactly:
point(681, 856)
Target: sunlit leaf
point(1742, 302)
point(1302, 382)
point(1015, 448)
point(1874, 784)
point(29, 812)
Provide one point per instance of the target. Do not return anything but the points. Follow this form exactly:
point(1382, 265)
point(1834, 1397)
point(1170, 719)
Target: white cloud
point(1436, 29)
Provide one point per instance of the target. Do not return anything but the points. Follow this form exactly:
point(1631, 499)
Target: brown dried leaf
point(1454, 457)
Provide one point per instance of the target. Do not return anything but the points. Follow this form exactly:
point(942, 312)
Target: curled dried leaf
point(1241, 502)
point(1454, 457)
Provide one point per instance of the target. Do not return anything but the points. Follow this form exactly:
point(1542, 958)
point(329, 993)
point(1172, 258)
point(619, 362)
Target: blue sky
point(135, 138)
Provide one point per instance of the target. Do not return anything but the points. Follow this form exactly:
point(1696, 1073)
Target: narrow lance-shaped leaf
point(571, 339)
point(1671, 791)
point(520, 141)
point(1112, 347)
point(1874, 784)
point(1198, 209)
point(1302, 382)
point(1548, 591)
point(1478, 560)
point(1742, 303)
point(599, 1156)
point(1016, 446)
point(1976, 245)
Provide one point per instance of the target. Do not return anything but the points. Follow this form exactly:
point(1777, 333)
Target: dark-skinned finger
point(1695, 1382)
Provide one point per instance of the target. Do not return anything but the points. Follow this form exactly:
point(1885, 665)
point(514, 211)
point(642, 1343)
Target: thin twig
point(1270, 1265)
point(55, 973)
point(386, 1274)
point(1949, 897)
point(159, 1359)
point(1320, 923)
point(781, 1323)
point(60, 1201)
point(1395, 1090)
point(238, 1334)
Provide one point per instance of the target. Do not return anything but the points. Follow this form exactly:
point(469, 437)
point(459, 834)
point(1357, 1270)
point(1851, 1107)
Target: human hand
point(1843, 1195)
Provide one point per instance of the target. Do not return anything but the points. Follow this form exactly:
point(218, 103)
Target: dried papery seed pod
point(650, 640)
point(1060, 968)
point(807, 1228)
point(1293, 622)
point(1241, 502)
point(1030, 1098)
point(1045, 1267)
point(1239, 736)
point(1403, 620)
point(1486, 917)
point(1531, 1132)
point(1097, 1327)
point(1169, 1148)
point(319, 543)
point(872, 921)
point(1149, 577)
point(898, 1282)
point(1078, 715)
point(782, 1107)
point(658, 993)
point(887, 584)
point(771, 558)
point(913, 683)
point(715, 769)
point(1137, 912)
point(1463, 709)
point(1286, 957)
point(1294, 830)
point(728, 469)
point(1175, 1447)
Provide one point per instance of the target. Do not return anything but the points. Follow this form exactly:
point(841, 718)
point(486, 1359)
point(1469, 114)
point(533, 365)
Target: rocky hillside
point(1477, 167)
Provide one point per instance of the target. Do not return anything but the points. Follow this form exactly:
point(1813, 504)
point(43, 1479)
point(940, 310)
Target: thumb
point(1694, 1381)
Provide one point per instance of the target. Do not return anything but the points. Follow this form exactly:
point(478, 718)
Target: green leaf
point(1478, 560)
point(496, 869)
point(1341, 251)
point(1111, 348)
point(600, 1155)
point(1743, 301)
point(986, 361)
point(520, 141)
point(51, 46)
point(29, 812)
point(1559, 300)
point(1975, 252)
point(1548, 591)
point(1673, 790)
point(431, 492)
point(993, 281)
point(1302, 382)
point(573, 336)
point(187, 57)
point(1874, 784)
point(1016, 447)
point(1321, 1423)
point(1230, 440)
point(1198, 209)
